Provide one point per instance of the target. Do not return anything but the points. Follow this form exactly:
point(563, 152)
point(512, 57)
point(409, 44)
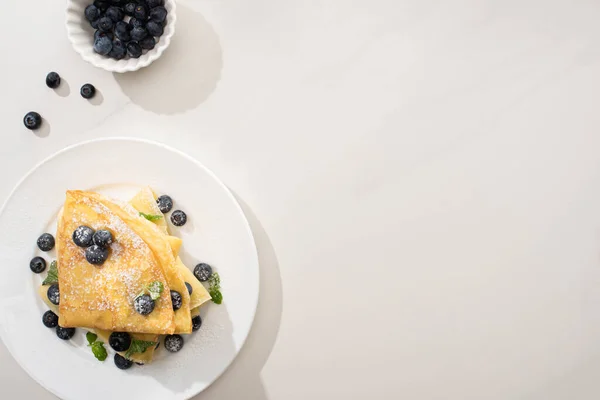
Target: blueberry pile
point(126, 27)
point(95, 243)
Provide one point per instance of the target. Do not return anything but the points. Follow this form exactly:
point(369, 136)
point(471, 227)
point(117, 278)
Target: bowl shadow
point(185, 75)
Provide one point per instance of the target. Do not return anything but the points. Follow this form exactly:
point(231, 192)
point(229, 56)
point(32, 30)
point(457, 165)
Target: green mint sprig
point(97, 347)
point(214, 288)
point(151, 217)
point(52, 277)
point(138, 346)
point(154, 289)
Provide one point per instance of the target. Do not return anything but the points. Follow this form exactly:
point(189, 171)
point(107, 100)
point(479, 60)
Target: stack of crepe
point(101, 298)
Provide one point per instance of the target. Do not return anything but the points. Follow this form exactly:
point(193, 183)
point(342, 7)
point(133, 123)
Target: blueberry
point(94, 24)
point(202, 272)
point(189, 288)
point(178, 218)
point(99, 34)
point(119, 51)
point(65, 333)
point(121, 362)
point(52, 80)
point(119, 341)
point(53, 294)
point(134, 22)
point(129, 8)
point(102, 238)
point(154, 3)
point(140, 12)
point(148, 43)
point(96, 255)
point(32, 120)
point(37, 265)
point(122, 30)
point(82, 236)
point(144, 304)
point(92, 13)
point(114, 13)
point(196, 323)
point(101, 4)
point(88, 90)
point(173, 343)
point(105, 24)
point(134, 49)
point(165, 203)
point(138, 33)
point(103, 45)
point(158, 14)
point(49, 319)
point(176, 300)
point(46, 242)
point(155, 28)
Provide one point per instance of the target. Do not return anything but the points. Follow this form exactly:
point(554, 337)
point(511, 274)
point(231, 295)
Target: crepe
point(101, 297)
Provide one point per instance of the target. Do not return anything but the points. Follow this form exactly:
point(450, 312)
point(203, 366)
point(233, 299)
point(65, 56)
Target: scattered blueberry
point(155, 28)
point(46, 242)
point(32, 120)
point(178, 218)
point(134, 49)
point(176, 300)
point(65, 333)
point(189, 288)
point(154, 3)
point(202, 272)
point(88, 90)
point(173, 343)
point(114, 13)
point(49, 319)
point(105, 24)
point(121, 362)
point(101, 4)
point(165, 203)
point(123, 31)
point(158, 14)
point(96, 255)
point(140, 12)
point(54, 294)
point(102, 238)
point(144, 304)
point(92, 13)
point(148, 43)
point(119, 341)
point(37, 265)
point(103, 45)
point(134, 22)
point(119, 51)
point(129, 8)
point(138, 33)
point(196, 323)
point(83, 236)
point(52, 80)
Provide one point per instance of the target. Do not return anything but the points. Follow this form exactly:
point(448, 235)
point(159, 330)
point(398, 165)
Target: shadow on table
point(242, 379)
point(185, 75)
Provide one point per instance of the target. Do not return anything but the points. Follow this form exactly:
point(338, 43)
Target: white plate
point(216, 232)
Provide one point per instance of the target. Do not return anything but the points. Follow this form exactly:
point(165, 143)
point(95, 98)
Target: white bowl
point(81, 35)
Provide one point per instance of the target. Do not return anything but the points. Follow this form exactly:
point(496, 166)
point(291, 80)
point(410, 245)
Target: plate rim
point(198, 164)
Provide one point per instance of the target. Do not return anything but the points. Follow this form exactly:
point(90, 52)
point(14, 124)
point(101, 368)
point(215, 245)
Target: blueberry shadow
point(44, 129)
point(185, 75)
point(64, 89)
point(97, 99)
point(242, 378)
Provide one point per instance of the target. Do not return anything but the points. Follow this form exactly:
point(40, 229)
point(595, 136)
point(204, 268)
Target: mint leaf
point(99, 351)
point(151, 217)
point(52, 277)
point(138, 346)
point(91, 337)
point(155, 288)
point(214, 288)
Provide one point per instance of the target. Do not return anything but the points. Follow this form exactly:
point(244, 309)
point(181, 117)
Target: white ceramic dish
point(216, 232)
point(81, 35)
